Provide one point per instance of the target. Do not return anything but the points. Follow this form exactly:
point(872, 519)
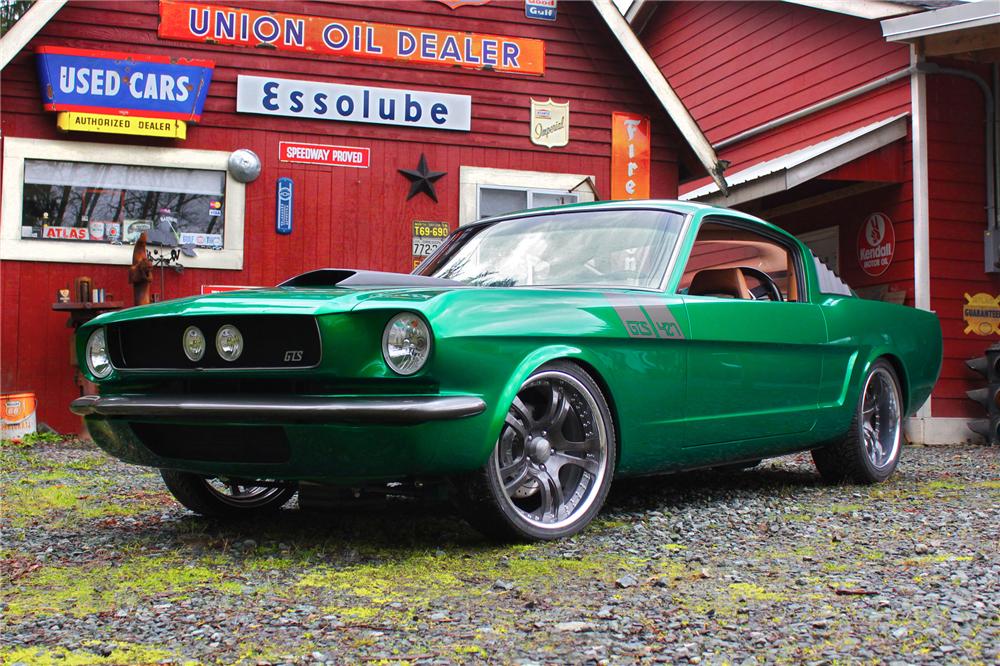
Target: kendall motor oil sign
point(129, 84)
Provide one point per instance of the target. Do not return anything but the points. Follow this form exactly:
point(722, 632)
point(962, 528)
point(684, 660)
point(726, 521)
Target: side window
point(734, 262)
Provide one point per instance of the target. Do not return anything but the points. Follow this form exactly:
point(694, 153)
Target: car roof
point(682, 207)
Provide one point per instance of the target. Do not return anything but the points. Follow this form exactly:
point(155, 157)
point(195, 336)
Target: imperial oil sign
point(123, 83)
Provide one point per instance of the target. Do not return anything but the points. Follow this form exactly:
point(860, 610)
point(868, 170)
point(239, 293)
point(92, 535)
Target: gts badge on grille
point(293, 355)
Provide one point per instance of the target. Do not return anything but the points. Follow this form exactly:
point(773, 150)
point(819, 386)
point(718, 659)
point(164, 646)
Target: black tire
point(551, 468)
point(246, 500)
point(870, 451)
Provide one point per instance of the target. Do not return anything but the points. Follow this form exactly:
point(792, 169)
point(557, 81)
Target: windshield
point(612, 248)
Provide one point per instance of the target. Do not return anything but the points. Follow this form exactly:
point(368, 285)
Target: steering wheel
point(767, 287)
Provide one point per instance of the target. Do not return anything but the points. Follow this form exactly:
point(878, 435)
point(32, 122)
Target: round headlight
point(98, 361)
point(229, 342)
point(406, 343)
point(193, 342)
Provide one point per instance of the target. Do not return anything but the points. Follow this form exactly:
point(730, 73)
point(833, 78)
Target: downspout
point(921, 214)
point(921, 187)
point(992, 219)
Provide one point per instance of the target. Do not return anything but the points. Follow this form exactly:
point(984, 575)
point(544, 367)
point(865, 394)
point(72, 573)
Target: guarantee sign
point(876, 244)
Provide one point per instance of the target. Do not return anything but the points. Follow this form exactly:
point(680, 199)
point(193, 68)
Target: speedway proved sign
point(324, 154)
point(315, 35)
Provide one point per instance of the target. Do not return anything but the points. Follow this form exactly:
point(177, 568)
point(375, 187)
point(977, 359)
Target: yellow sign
point(97, 122)
point(982, 314)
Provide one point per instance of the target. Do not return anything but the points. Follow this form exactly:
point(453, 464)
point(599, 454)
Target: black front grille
point(269, 341)
point(212, 443)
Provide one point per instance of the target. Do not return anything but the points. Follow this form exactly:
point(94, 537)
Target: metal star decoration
point(422, 179)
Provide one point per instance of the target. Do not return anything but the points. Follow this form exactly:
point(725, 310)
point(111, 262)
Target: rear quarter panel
point(862, 331)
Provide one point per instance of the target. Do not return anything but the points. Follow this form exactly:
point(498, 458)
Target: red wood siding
point(737, 65)
point(343, 217)
point(850, 214)
point(956, 170)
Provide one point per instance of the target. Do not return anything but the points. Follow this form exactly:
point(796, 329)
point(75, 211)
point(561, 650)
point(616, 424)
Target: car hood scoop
point(348, 277)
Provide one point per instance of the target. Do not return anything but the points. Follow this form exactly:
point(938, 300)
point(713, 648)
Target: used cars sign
point(126, 84)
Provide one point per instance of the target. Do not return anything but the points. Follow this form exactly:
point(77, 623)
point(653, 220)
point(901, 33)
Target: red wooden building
point(473, 68)
point(845, 121)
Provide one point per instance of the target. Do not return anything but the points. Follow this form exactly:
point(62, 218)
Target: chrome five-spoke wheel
point(243, 494)
point(552, 465)
point(226, 497)
point(880, 418)
point(870, 452)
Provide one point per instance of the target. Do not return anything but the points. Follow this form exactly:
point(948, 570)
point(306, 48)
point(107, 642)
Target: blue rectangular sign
point(117, 83)
point(283, 217)
point(540, 9)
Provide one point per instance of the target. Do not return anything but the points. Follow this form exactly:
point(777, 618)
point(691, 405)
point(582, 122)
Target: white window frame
point(472, 178)
point(531, 192)
point(16, 150)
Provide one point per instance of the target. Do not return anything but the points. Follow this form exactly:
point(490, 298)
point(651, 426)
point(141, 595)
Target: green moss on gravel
point(59, 500)
point(81, 590)
point(122, 653)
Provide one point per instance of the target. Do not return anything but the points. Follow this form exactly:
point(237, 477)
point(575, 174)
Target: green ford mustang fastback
point(527, 363)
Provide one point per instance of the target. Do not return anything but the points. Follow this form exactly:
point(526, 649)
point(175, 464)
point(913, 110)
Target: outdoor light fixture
point(406, 343)
point(244, 165)
point(98, 361)
point(229, 343)
point(194, 343)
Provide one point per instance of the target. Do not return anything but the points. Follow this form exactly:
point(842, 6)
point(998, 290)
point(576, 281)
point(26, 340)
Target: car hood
point(277, 300)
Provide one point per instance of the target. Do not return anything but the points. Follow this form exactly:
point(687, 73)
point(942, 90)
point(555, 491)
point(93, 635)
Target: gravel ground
point(761, 566)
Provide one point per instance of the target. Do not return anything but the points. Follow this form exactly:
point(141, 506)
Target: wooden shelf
point(80, 305)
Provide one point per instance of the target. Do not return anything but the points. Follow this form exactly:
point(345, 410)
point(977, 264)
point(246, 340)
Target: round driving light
point(98, 361)
point(194, 343)
point(406, 343)
point(229, 342)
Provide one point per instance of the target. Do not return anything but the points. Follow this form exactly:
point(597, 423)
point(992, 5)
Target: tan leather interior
point(793, 283)
point(720, 282)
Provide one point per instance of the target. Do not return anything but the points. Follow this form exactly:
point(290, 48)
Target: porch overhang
point(785, 172)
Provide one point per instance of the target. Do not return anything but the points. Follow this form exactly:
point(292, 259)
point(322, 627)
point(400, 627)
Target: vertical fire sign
point(629, 156)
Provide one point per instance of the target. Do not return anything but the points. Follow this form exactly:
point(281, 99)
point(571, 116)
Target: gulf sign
point(196, 22)
point(126, 84)
point(326, 155)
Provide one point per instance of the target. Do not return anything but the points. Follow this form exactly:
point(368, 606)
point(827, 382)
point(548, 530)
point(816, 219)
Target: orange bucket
point(18, 414)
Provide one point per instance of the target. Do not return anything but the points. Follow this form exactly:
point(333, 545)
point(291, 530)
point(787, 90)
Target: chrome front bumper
point(305, 409)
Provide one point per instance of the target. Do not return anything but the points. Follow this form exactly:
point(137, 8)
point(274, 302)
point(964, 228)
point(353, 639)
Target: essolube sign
point(357, 104)
point(123, 83)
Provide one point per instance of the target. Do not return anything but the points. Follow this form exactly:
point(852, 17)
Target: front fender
point(536, 359)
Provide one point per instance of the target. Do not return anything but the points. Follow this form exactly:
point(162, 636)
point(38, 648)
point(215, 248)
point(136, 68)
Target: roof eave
point(658, 84)
point(949, 19)
point(29, 25)
point(787, 171)
point(866, 9)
